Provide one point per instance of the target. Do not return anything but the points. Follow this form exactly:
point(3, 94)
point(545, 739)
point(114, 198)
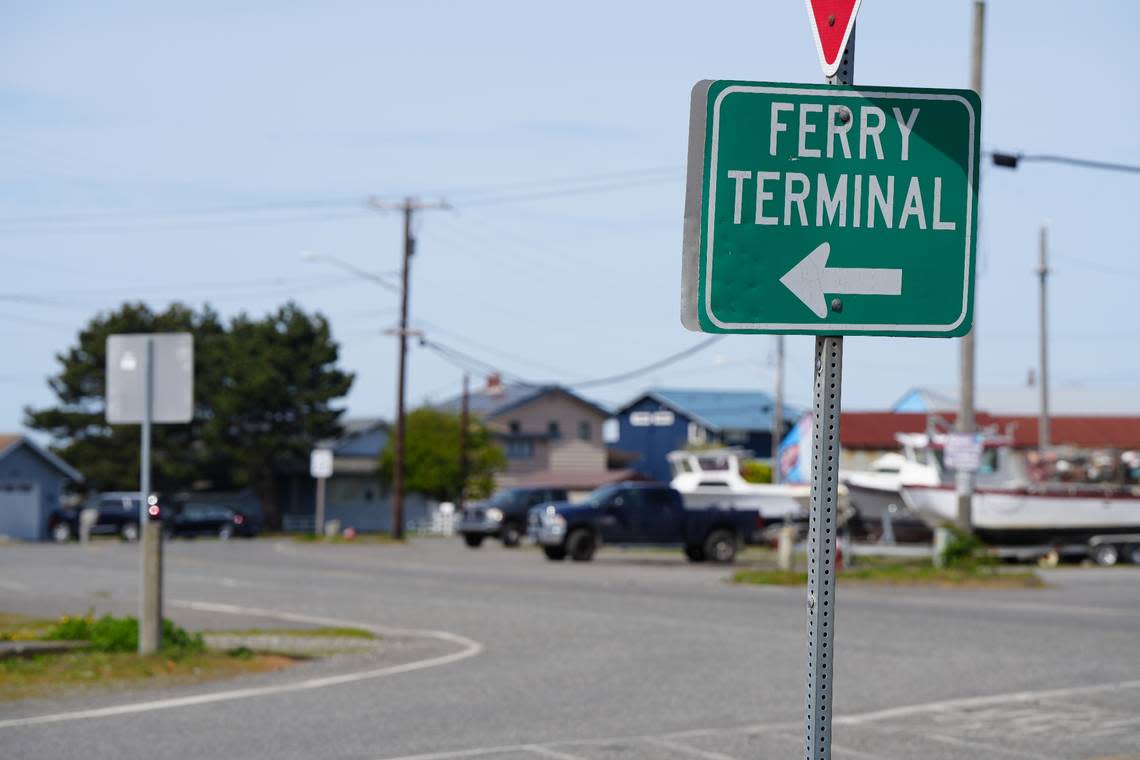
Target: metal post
point(402, 357)
point(319, 517)
point(464, 423)
point(150, 532)
point(822, 529)
point(778, 409)
point(1043, 437)
point(823, 521)
point(966, 422)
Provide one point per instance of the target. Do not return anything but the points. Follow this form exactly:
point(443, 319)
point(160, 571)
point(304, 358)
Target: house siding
point(653, 442)
point(24, 466)
point(566, 453)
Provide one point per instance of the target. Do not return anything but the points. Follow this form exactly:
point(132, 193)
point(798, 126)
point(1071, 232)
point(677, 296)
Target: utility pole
point(778, 410)
point(408, 206)
point(1043, 442)
point(966, 422)
point(464, 421)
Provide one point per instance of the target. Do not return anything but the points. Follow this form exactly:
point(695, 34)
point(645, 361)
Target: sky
point(161, 153)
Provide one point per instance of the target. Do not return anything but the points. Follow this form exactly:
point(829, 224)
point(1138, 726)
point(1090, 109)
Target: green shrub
point(71, 628)
point(756, 472)
point(965, 550)
point(121, 634)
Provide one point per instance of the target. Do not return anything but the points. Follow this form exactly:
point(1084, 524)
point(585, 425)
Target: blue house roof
point(720, 409)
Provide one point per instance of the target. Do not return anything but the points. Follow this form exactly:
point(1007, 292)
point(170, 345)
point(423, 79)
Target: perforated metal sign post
point(823, 522)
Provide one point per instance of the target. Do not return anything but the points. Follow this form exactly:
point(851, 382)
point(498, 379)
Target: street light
point(1011, 160)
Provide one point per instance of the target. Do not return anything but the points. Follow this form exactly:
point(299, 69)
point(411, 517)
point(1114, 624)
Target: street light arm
point(1011, 160)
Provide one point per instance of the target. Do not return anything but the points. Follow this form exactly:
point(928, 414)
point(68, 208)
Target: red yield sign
point(832, 22)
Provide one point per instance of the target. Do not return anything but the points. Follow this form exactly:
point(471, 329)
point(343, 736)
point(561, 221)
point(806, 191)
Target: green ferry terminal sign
point(830, 210)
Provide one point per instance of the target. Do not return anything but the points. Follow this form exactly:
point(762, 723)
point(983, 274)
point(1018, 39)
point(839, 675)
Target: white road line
point(538, 749)
point(782, 729)
point(970, 702)
point(687, 750)
point(470, 648)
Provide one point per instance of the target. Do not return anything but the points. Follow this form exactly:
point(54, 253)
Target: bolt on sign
point(830, 210)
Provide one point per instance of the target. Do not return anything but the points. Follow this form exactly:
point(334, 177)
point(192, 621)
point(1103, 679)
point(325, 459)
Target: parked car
point(503, 516)
point(188, 518)
point(642, 513)
point(118, 514)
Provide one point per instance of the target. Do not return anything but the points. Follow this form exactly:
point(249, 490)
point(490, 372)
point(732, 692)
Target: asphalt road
point(501, 654)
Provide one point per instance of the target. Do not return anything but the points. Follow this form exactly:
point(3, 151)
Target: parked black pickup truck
point(504, 515)
point(641, 513)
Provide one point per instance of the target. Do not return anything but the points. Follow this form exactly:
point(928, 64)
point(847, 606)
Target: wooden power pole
point(408, 206)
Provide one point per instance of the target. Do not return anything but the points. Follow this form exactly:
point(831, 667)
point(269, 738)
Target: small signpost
point(829, 210)
point(150, 379)
point(321, 468)
point(963, 452)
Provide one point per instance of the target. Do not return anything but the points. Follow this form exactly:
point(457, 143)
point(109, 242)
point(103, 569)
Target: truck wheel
point(511, 535)
point(580, 544)
point(129, 532)
point(720, 546)
point(1134, 554)
point(473, 540)
point(554, 553)
point(695, 553)
point(61, 533)
point(1105, 555)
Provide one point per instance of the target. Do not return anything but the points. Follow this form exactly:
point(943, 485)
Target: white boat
point(712, 478)
point(1041, 514)
point(875, 494)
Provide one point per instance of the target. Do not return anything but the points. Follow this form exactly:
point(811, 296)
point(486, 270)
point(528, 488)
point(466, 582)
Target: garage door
point(20, 511)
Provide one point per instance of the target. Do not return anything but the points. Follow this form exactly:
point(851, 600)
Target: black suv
point(118, 514)
point(189, 517)
point(504, 514)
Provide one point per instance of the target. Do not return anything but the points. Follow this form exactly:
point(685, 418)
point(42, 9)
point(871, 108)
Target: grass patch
point(22, 628)
point(121, 634)
point(52, 674)
point(903, 574)
point(329, 632)
point(111, 661)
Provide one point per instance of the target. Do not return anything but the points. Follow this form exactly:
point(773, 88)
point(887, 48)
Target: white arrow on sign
point(811, 278)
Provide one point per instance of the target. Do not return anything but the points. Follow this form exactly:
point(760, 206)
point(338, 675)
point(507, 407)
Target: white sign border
point(815, 328)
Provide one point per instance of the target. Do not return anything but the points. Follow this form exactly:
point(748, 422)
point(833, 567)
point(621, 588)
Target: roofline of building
point(542, 390)
point(45, 454)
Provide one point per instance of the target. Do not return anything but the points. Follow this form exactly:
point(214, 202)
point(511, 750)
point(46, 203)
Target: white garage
point(32, 480)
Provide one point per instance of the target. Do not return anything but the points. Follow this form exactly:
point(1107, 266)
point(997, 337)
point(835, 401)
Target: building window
point(519, 449)
point(584, 431)
point(697, 435)
point(611, 431)
point(641, 419)
point(516, 428)
point(554, 430)
point(663, 418)
point(660, 418)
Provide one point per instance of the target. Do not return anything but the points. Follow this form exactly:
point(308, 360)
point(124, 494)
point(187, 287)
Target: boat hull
point(872, 503)
point(1029, 517)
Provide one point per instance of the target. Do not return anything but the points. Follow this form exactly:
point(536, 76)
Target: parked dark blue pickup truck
point(641, 513)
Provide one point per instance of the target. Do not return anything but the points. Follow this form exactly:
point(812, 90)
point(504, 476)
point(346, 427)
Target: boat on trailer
point(712, 479)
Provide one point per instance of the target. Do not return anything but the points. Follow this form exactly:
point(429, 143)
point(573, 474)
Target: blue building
point(32, 480)
point(661, 420)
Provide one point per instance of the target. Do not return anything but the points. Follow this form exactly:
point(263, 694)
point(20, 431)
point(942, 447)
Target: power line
point(671, 359)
